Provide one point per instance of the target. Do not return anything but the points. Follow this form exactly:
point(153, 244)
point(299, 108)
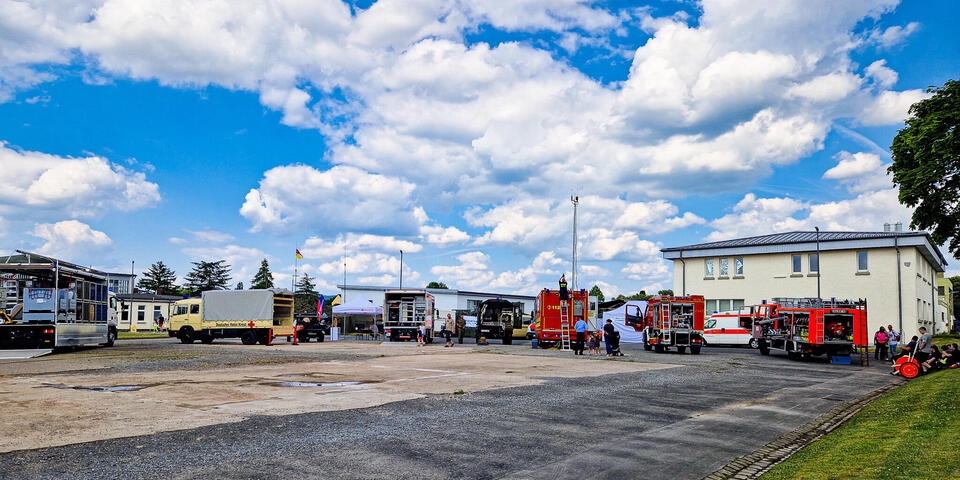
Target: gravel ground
point(680, 422)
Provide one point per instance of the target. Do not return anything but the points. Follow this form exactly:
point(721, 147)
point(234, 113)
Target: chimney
point(898, 227)
point(886, 227)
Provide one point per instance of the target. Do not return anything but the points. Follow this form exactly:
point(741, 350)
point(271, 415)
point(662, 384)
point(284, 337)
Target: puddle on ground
point(315, 384)
point(118, 388)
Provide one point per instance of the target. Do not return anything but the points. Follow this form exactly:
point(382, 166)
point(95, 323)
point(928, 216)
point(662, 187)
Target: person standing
point(160, 322)
point(447, 335)
point(880, 344)
point(893, 340)
point(608, 331)
point(923, 346)
point(581, 328)
point(461, 328)
point(375, 330)
point(421, 332)
point(564, 293)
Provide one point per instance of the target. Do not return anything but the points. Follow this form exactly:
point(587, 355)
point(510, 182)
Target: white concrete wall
point(766, 276)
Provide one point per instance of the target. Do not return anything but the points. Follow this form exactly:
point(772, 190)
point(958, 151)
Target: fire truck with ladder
point(804, 327)
point(669, 322)
point(555, 319)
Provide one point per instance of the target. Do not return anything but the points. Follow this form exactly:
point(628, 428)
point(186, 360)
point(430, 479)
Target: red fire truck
point(669, 322)
point(548, 315)
point(803, 327)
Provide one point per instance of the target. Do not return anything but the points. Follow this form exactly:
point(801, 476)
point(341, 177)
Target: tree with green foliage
point(263, 278)
point(207, 276)
point(642, 295)
point(306, 296)
point(239, 286)
point(926, 164)
point(159, 279)
point(439, 285)
point(595, 292)
point(666, 291)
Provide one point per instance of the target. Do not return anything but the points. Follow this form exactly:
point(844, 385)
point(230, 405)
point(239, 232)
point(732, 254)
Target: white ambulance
point(732, 327)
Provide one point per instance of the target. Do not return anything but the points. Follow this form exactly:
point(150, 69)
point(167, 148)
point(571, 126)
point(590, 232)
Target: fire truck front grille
point(681, 339)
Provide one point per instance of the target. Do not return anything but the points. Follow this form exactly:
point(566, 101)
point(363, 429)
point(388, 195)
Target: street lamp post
point(401, 268)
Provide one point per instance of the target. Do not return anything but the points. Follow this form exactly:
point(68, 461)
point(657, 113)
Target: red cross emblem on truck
point(251, 324)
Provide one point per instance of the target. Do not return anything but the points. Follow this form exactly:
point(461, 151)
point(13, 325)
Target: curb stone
point(755, 464)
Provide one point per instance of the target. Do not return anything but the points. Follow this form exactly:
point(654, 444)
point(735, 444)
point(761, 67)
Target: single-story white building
point(896, 272)
point(444, 299)
point(142, 310)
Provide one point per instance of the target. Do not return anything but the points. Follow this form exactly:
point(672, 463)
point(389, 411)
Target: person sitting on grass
point(933, 362)
point(950, 356)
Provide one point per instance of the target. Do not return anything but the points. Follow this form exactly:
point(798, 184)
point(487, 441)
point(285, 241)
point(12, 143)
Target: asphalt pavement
point(676, 423)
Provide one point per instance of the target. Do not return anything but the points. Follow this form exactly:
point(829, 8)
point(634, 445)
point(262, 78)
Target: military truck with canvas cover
point(254, 316)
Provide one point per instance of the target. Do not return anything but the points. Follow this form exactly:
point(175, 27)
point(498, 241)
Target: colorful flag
point(299, 257)
point(320, 302)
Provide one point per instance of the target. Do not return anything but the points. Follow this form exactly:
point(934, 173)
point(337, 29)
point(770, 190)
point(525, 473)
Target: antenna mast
point(575, 199)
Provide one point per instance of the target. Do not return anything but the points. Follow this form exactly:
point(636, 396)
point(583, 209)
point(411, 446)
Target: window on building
point(797, 264)
point(738, 266)
point(940, 290)
point(711, 306)
point(737, 304)
point(814, 263)
point(724, 267)
point(472, 305)
point(862, 261)
point(156, 312)
point(708, 267)
point(141, 313)
point(919, 309)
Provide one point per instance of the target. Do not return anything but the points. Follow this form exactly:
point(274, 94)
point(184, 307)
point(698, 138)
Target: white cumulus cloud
point(71, 239)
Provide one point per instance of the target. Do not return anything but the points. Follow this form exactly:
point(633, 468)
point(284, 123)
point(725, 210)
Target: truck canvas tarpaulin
point(227, 305)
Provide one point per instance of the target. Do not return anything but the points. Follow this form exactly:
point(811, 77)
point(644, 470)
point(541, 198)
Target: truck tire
point(659, 348)
point(111, 337)
point(646, 345)
point(263, 337)
point(754, 343)
point(695, 350)
point(186, 335)
point(681, 349)
point(206, 338)
point(248, 337)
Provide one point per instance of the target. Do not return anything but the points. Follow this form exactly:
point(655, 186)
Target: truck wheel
point(111, 337)
point(206, 338)
point(681, 349)
point(186, 335)
point(248, 337)
point(762, 346)
point(646, 345)
point(263, 337)
point(659, 348)
point(695, 350)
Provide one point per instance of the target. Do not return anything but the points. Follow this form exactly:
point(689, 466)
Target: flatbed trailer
point(57, 304)
point(253, 316)
point(806, 327)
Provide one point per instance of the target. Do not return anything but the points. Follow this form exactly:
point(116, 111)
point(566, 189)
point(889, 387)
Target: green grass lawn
point(941, 339)
point(129, 335)
point(912, 432)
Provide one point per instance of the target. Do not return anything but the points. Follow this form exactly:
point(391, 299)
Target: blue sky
point(455, 131)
